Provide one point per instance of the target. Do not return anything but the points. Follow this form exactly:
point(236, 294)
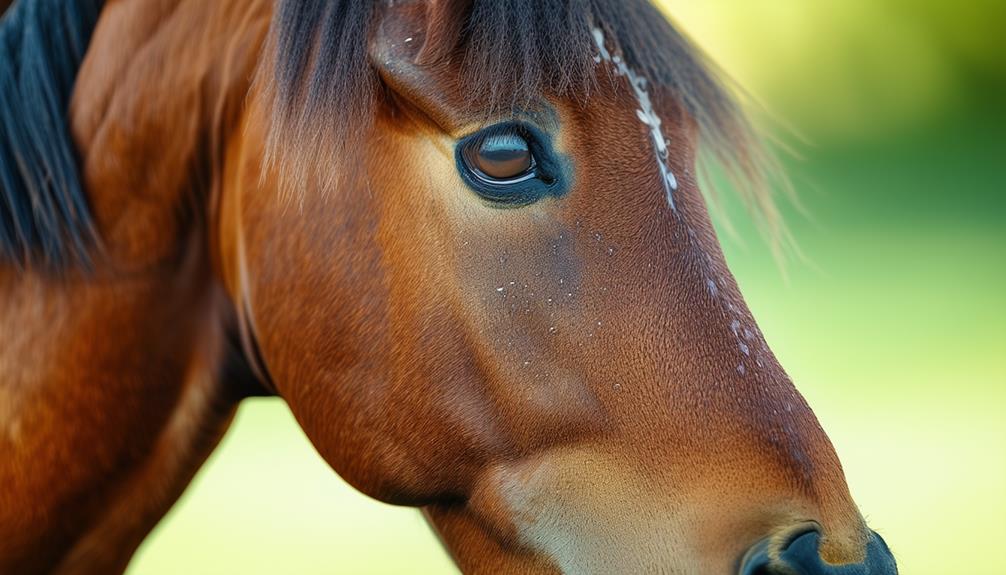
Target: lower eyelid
point(529, 175)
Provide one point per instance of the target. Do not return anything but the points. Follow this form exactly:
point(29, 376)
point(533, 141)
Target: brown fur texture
point(575, 385)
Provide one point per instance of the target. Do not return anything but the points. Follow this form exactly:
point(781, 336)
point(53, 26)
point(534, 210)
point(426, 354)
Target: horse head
point(471, 245)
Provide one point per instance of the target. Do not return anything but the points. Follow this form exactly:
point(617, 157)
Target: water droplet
point(611, 251)
point(744, 349)
point(527, 362)
point(551, 329)
point(617, 387)
point(500, 289)
point(741, 369)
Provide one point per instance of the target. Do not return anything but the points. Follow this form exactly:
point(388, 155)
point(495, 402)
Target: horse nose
point(800, 557)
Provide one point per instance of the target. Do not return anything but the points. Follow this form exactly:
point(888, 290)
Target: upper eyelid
point(538, 141)
point(510, 126)
point(536, 144)
point(530, 173)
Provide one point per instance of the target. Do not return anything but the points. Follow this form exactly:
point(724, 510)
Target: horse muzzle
point(800, 556)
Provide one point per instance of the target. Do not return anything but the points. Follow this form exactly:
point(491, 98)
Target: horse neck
point(159, 94)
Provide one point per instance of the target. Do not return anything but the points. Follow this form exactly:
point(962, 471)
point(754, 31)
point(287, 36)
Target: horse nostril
point(799, 556)
point(763, 559)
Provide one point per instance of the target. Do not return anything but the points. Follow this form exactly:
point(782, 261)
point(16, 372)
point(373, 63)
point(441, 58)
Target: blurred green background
point(894, 327)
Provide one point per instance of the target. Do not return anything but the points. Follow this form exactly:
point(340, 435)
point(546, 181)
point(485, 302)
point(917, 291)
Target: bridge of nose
point(802, 557)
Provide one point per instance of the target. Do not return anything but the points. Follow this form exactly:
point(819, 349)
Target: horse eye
point(510, 165)
point(501, 156)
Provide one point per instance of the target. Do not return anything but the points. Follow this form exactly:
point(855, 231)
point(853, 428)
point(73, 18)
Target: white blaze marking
point(646, 114)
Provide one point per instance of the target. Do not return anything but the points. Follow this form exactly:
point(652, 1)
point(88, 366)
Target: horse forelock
point(506, 53)
point(321, 86)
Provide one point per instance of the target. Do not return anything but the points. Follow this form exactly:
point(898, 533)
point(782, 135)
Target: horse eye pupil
point(503, 156)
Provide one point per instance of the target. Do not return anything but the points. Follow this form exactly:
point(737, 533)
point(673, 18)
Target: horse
point(463, 240)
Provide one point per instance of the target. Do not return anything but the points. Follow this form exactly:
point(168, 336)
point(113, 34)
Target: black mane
point(509, 51)
point(44, 216)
